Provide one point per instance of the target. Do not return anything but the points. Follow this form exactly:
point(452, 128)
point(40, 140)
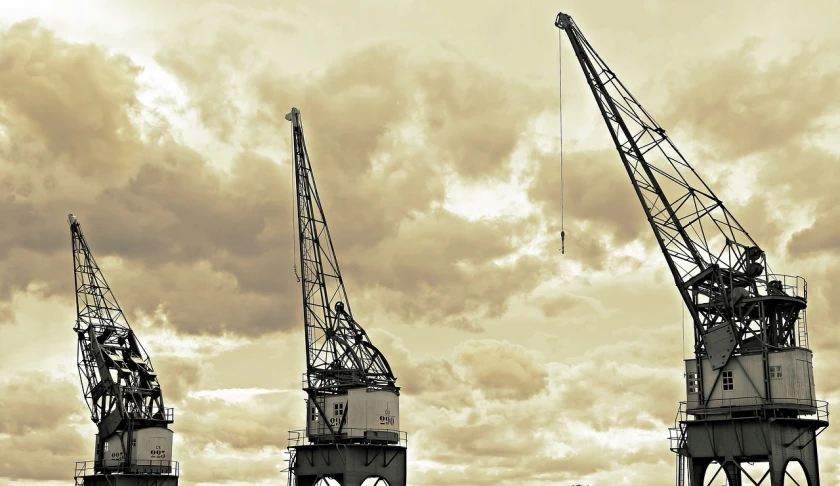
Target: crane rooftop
point(361, 413)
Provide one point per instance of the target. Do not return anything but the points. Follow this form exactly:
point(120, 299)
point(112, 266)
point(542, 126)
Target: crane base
point(731, 443)
point(349, 464)
point(127, 480)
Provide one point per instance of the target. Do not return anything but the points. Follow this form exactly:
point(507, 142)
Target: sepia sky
point(433, 131)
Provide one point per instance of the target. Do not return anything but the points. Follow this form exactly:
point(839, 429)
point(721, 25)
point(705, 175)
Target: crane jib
point(717, 267)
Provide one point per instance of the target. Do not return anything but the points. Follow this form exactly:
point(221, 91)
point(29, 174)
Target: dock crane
point(750, 387)
point(134, 442)
point(352, 406)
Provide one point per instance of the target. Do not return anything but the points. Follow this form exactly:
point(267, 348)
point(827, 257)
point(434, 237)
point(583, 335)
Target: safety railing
point(168, 413)
point(756, 406)
point(792, 285)
point(749, 407)
point(350, 436)
point(158, 467)
point(676, 437)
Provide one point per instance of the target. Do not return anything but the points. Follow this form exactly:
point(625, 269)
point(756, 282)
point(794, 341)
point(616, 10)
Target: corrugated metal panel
point(315, 423)
point(114, 452)
point(153, 444)
point(357, 414)
point(796, 383)
point(752, 387)
point(365, 410)
point(383, 409)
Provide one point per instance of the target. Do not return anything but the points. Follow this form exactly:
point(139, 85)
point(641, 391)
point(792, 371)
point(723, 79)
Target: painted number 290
point(387, 420)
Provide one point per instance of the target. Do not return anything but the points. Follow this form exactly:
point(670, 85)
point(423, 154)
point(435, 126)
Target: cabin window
point(105, 447)
point(691, 381)
point(776, 372)
point(338, 409)
point(314, 414)
point(728, 382)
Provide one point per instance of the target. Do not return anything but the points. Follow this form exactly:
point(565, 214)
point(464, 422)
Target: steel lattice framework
point(719, 270)
point(741, 312)
point(118, 380)
point(339, 354)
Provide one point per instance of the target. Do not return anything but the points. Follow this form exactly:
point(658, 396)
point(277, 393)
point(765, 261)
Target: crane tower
point(750, 386)
point(352, 407)
point(133, 445)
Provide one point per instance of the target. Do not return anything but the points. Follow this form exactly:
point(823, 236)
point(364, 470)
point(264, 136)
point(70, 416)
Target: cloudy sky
point(433, 131)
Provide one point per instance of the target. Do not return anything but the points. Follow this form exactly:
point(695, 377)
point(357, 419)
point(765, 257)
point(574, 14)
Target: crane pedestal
point(149, 473)
point(126, 480)
point(349, 464)
point(733, 441)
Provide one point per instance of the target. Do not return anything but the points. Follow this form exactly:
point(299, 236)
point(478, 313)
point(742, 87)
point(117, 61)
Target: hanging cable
point(683, 331)
point(562, 211)
point(294, 236)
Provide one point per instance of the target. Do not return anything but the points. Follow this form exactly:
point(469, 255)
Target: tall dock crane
point(134, 442)
point(750, 387)
point(352, 407)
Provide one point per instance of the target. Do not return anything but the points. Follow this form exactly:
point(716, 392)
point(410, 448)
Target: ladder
point(680, 470)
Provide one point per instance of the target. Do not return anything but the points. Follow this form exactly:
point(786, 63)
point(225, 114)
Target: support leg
point(697, 470)
point(733, 473)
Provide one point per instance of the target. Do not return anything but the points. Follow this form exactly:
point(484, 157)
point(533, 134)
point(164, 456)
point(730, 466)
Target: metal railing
point(676, 437)
point(350, 436)
point(761, 406)
point(168, 414)
point(157, 467)
point(145, 414)
point(806, 409)
point(792, 285)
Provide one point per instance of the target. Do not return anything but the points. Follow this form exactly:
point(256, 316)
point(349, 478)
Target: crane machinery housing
point(750, 386)
point(352, 430)
point(133, 445)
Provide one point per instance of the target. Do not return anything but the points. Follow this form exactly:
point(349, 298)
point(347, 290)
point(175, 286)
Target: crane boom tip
point(71, 219)
point(563, 21)
point(293, 115)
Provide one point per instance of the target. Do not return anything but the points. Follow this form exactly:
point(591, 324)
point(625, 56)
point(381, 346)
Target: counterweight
point(119, 383)
point(752, 360)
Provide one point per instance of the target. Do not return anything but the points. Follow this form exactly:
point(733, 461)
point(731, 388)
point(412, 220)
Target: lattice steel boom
point(352, 406)
point(339, 353)
point(750, 389)
point(116, 373)
point(714, 261)
point(118, 380)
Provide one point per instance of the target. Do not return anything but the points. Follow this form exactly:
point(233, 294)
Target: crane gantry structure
point(134, 442)
point(352, 432)
point(750, 388)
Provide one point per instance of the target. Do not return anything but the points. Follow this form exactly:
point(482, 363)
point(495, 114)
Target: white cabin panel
point(113, 451)
point(742, 380)
point(154, 444)
point(383, 411)
point(357, 401)
point(363, 410)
